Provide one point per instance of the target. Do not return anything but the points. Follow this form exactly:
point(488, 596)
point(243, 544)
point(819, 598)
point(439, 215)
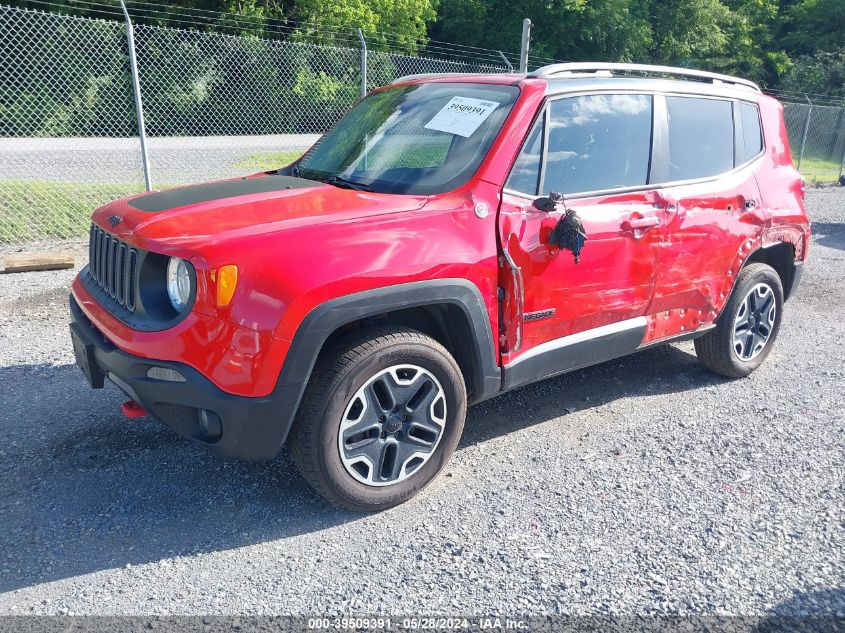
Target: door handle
point(639, 224)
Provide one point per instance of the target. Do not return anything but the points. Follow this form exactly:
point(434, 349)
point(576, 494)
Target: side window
point(598, 142)
point(525, 175)
point(701, 137)
point(751, 134)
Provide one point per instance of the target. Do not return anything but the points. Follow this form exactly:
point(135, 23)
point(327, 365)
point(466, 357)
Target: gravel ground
point(644, 485)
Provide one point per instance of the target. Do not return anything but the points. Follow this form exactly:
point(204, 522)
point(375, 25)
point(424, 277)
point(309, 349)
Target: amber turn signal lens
point(227, 281)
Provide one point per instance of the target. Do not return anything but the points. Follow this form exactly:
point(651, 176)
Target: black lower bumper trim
point(795, 281)
point(253, 428)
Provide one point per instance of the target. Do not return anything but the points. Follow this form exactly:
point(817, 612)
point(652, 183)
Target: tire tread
point(331, 367)
point(711, 348)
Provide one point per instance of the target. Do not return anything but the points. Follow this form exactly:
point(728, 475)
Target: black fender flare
point(327, 317)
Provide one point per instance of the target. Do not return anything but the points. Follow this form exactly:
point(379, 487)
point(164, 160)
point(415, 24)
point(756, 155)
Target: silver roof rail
point(429, 75)
point(603, 68)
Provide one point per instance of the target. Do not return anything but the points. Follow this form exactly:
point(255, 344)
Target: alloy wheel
point(392, 425)
point(754, 322)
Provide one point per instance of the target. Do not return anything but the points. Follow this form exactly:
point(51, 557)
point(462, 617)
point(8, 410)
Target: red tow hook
point(132, 409)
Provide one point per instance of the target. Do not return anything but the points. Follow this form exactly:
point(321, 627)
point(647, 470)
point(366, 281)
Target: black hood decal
point(182, 196)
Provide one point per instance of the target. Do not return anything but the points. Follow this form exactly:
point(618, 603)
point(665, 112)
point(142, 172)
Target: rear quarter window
point(751, 134)
point(701, 137)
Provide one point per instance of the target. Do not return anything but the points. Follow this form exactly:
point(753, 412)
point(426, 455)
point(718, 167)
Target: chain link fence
point(817, 137)
point(215, 106)
point(66, 121)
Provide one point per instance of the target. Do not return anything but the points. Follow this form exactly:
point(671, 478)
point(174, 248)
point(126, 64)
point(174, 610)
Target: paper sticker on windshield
point(462, 116)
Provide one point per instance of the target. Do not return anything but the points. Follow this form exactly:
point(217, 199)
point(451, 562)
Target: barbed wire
point(285, 28)
point(280, 27)
point(425, 42)
point(192, 18)
point(803, 97)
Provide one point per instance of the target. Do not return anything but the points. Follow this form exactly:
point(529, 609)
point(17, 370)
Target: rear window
point(598, 142)
point(701, 137)
point(751, 135)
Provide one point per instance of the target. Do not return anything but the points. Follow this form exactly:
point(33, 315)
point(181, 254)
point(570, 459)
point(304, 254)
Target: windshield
point(416, 139)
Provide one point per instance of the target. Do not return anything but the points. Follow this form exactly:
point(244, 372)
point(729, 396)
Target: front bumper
point(252, 428)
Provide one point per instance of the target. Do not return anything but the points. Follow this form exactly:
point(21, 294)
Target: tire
point(737, 357)
point(352, 387)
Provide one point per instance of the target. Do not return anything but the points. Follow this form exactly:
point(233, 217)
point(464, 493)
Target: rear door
point(596, 150)
point(716, 211)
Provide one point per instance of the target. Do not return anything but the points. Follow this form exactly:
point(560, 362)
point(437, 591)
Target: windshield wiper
point(340, 181)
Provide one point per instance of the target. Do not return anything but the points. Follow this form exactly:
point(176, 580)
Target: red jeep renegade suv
point(451, 238)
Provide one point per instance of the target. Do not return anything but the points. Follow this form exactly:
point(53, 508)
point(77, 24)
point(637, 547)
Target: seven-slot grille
point(113, 265)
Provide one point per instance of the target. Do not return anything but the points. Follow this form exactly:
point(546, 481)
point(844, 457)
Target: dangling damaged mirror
point(549, 203)
point(569, 231)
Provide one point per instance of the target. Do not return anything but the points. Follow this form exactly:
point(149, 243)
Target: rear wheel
point(748, 326)
point(380, 418)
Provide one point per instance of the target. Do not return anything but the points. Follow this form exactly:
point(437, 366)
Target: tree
point(816, 25)
point(752, 49)
point(562, 29)
point(402, 23)
point(589, 30)
point(687, 32)
point(797, 42)
point(822, 73)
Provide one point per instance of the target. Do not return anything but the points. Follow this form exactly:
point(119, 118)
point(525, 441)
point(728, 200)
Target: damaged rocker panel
point(590, 347)
point(575, 351)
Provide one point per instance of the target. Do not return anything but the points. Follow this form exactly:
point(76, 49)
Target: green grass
point(817, 171)
point(265, 161)
point(33, 210)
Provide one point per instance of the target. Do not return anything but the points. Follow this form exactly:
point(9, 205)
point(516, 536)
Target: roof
point(609, 69)
point(573, 77)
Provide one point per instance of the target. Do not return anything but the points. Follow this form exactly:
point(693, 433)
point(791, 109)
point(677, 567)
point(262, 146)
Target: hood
point(193, 216)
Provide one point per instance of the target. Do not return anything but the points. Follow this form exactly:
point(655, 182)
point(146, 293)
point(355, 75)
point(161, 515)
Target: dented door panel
point(702, 236)
point(613, 281)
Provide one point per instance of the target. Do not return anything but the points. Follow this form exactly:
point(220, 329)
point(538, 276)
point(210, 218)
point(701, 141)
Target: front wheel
point(380, 418)
point(748, 326)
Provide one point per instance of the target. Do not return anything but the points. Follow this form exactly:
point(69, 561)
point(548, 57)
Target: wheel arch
point(446, 322)
point(451, 311)
point(781, 257)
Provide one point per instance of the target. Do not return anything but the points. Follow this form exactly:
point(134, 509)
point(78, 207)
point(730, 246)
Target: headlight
point(178, 283)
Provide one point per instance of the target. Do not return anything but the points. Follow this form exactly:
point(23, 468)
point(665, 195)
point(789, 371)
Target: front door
point(559, 313)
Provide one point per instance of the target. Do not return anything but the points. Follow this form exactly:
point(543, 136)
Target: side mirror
point(550, 203)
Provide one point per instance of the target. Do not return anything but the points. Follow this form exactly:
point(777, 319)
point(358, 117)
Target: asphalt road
point(173, 160)
point(642, 486)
